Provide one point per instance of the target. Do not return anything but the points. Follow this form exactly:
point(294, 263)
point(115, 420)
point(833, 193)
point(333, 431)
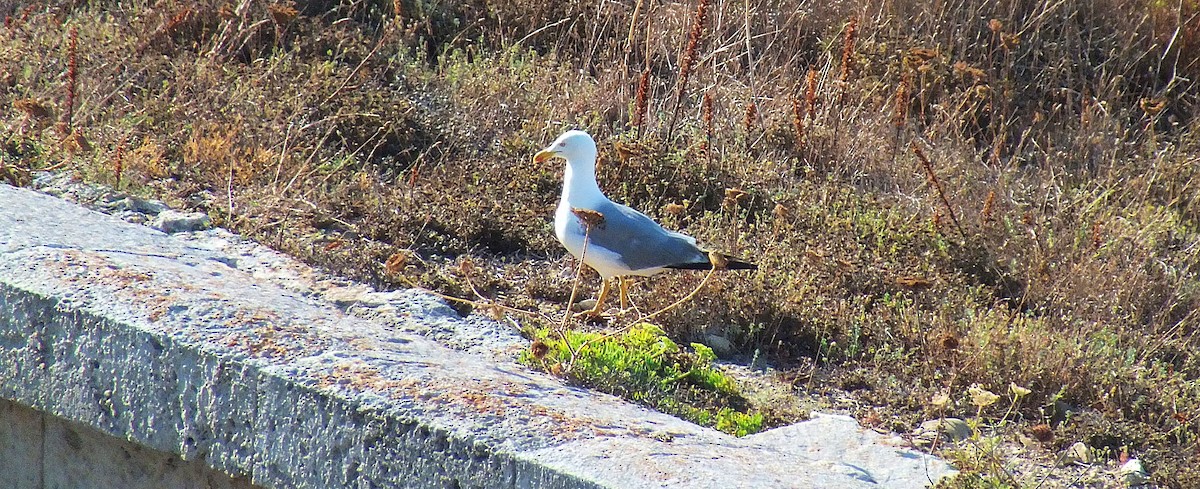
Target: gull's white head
point(576, 146)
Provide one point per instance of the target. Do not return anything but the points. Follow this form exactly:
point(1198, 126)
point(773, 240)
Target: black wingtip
point(741, 265)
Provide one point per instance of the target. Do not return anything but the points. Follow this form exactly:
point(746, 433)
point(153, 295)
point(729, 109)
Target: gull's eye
point(562, 144)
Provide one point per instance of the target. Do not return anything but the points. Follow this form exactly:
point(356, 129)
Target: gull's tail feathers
point(730, 264)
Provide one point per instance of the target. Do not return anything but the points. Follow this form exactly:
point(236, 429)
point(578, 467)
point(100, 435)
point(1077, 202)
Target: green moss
point(644, 365)
point(738, 423)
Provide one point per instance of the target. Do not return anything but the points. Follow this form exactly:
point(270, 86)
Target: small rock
point(374, 299)
point(1133, 474)
point(53, 183)
point(584, 305)
point(145, 206)
point(1079, 453)
point(170, 221)
point(953, 429)
point(719, 344)
point(132, 217)
point(347, 296)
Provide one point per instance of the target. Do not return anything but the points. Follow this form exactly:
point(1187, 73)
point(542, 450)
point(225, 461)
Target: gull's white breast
point(570, 232)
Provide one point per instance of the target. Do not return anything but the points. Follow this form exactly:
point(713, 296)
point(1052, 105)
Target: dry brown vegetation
point(937, 195)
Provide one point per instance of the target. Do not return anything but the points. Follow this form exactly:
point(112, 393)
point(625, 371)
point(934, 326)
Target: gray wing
point(642, 243)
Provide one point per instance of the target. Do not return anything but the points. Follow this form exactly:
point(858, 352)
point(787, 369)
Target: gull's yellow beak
point(543, 155)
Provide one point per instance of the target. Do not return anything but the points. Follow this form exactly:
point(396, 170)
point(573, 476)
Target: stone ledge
point(142, 336)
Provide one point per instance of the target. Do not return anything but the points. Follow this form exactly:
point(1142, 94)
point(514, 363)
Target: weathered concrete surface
point(42, 451)
point(140, 336)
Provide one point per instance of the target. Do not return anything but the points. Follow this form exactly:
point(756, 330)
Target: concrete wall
point(39, 451)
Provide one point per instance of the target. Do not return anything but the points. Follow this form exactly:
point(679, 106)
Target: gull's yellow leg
point(624, 284)
point(596, 311)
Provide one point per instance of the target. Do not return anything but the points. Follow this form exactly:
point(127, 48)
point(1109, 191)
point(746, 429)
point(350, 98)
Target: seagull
point(621, 242)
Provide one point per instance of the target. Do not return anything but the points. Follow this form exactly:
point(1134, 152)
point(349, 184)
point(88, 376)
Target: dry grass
point(1046, 234)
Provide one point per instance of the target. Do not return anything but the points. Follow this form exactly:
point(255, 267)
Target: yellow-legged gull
point(626, 242)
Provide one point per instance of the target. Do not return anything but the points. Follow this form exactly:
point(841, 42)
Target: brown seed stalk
point(988, 206)
point(694, 36)
point(641, 100)
point(995, 26)
point(118, 162)
point(848, 36)
point(798, 123)
point(810, 93)
point(937, 185)
point(748, 122)
point(689, 60)
point(903, 95)
point(72, 66)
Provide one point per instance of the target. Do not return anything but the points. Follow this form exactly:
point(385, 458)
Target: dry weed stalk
point(903, 96)
point(1152, 107)
point(588, 218)
point(746, 10)
point(988, 206)
point(707, 109)
point(118, 162)
point(810, 94)
point(733, 198)
point(72, 72)
point(995, 26)
point(748, 121)
point(396, 263)
point(28, 11)
point(236, 31)
point(848, 37)
point(633, 19)
point(798, 123)
point(640, 103)
point(76, 143)
point(689, 61)
point(998, 141)
point(937, 185)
